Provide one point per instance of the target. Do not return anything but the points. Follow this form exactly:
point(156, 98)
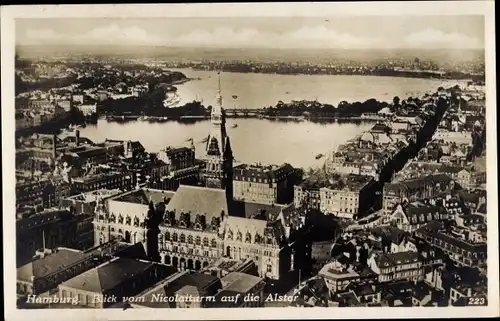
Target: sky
point(343, 32)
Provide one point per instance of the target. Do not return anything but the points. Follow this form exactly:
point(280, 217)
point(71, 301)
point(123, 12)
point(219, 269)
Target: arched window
point(174, 237)
point(205, 241)
point(183, 238)
point(214, 243)
point(167, 236)
point(198, 240)
point(160, 241)
point(190, 239)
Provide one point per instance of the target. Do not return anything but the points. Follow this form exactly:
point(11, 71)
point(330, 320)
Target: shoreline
point(332, 119)
point(410, 74)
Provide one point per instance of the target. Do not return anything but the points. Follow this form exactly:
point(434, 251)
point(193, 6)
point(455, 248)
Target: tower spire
point(218, 76)
point(216, 110)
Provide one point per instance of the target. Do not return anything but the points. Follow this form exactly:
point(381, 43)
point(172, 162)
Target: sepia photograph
point(266, 156)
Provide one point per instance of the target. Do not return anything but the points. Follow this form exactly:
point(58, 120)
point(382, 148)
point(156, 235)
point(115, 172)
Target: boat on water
point(319, 156)
point(234, 126)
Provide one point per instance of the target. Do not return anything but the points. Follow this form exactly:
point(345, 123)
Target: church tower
point(218, 154)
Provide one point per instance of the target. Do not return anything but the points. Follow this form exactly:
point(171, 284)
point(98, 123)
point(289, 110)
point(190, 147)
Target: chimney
point(77, 137)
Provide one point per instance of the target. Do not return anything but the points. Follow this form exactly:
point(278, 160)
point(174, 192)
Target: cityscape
point(163, 178)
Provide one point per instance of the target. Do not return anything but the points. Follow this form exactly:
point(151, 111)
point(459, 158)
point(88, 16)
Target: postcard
point(301, 160)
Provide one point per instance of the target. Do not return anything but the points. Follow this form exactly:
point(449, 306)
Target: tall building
point(218, 172)
point(265, 184)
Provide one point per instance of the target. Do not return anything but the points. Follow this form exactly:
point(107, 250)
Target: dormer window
point(248, 237)
point(239, 236)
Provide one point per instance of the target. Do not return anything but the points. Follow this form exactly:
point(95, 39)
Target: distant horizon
point(244, 48)
point(336, 32)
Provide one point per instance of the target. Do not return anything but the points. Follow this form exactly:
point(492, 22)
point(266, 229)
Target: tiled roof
point(419, 182)
point(413, 210)
point(108, 275)
point(49, 264)
point(199, 200)
point(257, 209)
point(393, 259)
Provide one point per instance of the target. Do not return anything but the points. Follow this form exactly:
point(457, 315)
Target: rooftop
point(240, 282)
point(94, 195)
point(108, 275)
point(198, 282)
point(57, 261)
point(199, 200)
point(145, 195)
point(393, 259)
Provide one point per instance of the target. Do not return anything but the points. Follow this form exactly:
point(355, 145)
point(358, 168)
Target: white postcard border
point(10, 13)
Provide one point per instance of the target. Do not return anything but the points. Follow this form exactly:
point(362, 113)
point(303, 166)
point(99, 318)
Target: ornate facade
point(191, 233)
point(196, 230)
point(120, 218)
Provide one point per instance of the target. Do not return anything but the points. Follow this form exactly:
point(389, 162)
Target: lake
point(263, 90)
point(254, 140)
point(260, 140)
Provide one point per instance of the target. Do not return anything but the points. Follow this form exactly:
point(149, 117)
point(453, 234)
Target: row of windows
point(190, 239)
point(191, 251)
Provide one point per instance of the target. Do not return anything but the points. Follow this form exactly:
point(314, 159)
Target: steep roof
point(199, 200)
